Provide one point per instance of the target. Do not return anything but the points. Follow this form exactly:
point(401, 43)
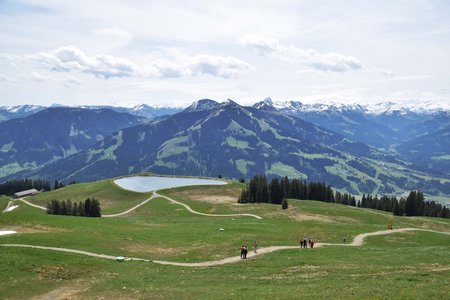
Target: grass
point(404, 265)
point(281, 169)
point(112, 198)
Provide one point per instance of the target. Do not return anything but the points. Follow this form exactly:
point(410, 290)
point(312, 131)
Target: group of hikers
point(244, 249)
point(306, 241)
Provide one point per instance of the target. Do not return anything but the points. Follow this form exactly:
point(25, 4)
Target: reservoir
point(143, 184)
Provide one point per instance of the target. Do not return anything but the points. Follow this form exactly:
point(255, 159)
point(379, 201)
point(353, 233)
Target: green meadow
point(409, 265)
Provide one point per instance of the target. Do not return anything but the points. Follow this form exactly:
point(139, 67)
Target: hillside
point(53, 134)
point(161, 231)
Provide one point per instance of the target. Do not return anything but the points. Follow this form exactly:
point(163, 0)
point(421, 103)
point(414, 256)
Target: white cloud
point(219, 66)
point(331, 62)
point(40, 78)
point(70, 58)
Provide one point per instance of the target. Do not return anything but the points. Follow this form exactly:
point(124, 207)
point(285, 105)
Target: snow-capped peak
point(203, 104)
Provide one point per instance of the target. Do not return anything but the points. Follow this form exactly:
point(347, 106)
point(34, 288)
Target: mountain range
point(353, 148)
point(55, 133)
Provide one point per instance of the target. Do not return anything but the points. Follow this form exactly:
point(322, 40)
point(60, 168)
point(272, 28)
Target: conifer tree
point(284, 203)
point(396, 208)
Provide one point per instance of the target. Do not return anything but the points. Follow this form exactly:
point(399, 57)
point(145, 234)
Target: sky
point(170, 53)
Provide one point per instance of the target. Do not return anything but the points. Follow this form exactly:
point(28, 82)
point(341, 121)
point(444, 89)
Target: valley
point(187, 253)
point(355, 149)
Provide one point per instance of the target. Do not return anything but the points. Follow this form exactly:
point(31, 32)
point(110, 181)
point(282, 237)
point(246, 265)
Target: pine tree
point(396, 208)
point(63, 208)
point(245, 196)
point(95, 208)
point(284, 203)
point(87, 207)
point(410, 204)
point(74, 209)
point(444, 213)
point(69, 207)
point(276, 194)
point(81, 211)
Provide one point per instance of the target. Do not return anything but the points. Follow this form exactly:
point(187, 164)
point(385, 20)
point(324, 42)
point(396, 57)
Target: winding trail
point(68, 250)
point(7, 207)
point(156, 195)
point(358, 241)
point(188, 208)
point(31, 204)
point(131, 209)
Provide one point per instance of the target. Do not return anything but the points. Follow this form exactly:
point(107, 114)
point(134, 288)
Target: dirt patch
point(301, 268)
point(407, 270)
point(214, 199)
point(56, 272)
point(299, 216)
point(72, 291)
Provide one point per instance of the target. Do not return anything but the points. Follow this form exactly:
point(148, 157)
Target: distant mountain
point(142, 110)
point(382, 125)
point(55, 133)
point(18, 111)
point(237, 141)
point(432, 150)
point(201, 105)
point(350, 121)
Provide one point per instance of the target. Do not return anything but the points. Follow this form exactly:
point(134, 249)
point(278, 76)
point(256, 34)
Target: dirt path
point(156, 195)
point(68, 250)
point(188, 208)
point(358, 241)
point(131, 209)
point(7, 206)
point(31, 204)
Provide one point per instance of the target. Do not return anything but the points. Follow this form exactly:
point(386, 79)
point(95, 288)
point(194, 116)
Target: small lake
point(151, 183)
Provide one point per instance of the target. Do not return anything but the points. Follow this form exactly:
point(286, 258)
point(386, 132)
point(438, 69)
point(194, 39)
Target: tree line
point(88, 208)
point(260, 190)
point(414, 205)
point(10, 187)
point(13, 186)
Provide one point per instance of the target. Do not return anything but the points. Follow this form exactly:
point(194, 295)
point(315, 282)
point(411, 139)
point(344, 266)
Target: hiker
point(255, 246)
point(305, 245)
point(242, 251)
point(245, 252)
point(312, 244)
point(345, 239)
point(309, 242)
point(301, 243)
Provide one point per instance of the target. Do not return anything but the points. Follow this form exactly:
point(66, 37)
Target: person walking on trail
point(305, 243)
point(242, 251)
point(245, 252)
point(312, 244)
point(255, 246)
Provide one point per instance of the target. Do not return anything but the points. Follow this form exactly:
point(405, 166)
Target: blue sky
point(175, 52)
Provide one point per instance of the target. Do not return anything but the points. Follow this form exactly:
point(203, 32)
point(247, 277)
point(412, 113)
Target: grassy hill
point(404, 265)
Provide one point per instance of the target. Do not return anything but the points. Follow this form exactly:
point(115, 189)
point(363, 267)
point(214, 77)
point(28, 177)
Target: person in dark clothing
point(245, 252)
point(242, 251)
